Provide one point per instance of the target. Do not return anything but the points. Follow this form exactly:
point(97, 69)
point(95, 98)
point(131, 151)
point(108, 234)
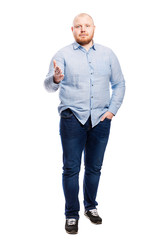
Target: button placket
point(91, 80)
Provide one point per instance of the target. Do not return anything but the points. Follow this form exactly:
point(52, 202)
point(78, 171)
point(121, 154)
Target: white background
point(32, 201)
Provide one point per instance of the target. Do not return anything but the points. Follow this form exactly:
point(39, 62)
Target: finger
point(103, 117)
point(57, 68)
point(57, 72)
point(61, 77)
point(54, 63)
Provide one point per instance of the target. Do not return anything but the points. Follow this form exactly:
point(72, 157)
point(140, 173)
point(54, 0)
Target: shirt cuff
point(112, 109)
point(49, 85)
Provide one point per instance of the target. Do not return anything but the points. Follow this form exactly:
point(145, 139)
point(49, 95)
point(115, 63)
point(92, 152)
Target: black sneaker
point(93, 216)
point(71, 225)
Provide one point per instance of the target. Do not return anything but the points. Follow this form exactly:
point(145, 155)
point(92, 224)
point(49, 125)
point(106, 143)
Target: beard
point(85, 41)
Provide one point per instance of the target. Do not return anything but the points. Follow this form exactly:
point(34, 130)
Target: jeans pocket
point(67, 113)
point(108, 119)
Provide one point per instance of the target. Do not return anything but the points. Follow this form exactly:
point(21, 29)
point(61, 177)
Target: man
point(83, 71)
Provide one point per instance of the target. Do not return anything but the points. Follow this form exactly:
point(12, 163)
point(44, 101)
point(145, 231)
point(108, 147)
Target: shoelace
point(71, 221)
point(94, 212)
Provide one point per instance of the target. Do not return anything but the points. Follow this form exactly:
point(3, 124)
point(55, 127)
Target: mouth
point(83, 35)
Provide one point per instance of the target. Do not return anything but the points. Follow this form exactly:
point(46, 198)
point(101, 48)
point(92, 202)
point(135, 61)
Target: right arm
point(55, 73)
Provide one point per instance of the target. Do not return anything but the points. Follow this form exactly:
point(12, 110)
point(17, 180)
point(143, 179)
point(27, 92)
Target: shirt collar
point(77, 45)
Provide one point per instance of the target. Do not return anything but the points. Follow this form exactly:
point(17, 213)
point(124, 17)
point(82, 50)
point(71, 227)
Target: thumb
point(102, 118)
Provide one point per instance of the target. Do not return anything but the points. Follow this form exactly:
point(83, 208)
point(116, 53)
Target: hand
point(58, 76)
point(108, 115)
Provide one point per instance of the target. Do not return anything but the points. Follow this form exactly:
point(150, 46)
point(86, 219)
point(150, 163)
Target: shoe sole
point(97, 223)
point(72, 232)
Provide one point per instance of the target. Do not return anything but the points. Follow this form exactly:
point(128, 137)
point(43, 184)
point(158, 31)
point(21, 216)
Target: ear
point(72, 29)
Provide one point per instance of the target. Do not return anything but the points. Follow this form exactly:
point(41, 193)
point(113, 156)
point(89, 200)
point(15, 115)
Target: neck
point(88, 45)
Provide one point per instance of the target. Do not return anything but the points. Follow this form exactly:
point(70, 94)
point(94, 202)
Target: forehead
point(82, 20)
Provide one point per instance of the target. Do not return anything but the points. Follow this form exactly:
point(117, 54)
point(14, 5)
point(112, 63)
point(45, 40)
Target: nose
point(83, 28)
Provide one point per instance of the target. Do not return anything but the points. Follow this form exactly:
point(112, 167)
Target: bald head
point(81, 15)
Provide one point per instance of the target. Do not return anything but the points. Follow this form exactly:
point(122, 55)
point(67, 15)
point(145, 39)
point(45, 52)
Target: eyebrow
point(83, 24)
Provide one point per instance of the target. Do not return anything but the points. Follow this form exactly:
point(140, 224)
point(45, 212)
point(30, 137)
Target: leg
point(97, 139)
point(73, 138)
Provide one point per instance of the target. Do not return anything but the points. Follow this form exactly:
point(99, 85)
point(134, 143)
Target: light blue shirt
point(88, 78)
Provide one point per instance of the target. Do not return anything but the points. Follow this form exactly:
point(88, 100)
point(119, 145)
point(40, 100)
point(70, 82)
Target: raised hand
point(58, 76)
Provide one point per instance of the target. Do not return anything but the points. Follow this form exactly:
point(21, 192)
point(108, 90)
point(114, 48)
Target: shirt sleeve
point(49, 85)
point(117, 84)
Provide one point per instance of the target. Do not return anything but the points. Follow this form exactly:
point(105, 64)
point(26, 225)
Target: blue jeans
point(75, 138)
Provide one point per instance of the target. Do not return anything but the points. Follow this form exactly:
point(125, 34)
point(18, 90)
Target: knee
point(71, 171)
point(96, 169)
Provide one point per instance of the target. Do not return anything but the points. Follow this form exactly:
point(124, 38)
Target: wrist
point(55, 80)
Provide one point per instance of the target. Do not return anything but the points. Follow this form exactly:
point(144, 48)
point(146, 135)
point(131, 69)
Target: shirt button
point(92, 84)
point(91, 73)
point(92, 97)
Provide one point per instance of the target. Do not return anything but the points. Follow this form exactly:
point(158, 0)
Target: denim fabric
point(88, 76)
point(76, 138)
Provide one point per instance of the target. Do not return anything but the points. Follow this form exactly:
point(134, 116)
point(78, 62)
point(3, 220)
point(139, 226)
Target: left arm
point(117, 84)
point(118, 87)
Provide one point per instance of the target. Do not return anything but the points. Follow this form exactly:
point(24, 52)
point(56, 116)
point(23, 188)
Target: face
point(83, 29)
